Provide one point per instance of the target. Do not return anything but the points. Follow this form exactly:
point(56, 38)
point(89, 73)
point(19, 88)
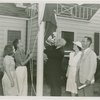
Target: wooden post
point(83, 13)
point(91, 12)
point(79, 11)
point(75, 10)
point(39, 85)
point(57, 9)
point(87, 13)
point(71, 11)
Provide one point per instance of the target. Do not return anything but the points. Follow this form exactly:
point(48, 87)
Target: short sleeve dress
point(7, 89)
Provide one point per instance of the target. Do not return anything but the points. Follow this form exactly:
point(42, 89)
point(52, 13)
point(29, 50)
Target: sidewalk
point(46, 90)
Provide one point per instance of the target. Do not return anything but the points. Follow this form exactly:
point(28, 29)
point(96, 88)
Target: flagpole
point(39, 85)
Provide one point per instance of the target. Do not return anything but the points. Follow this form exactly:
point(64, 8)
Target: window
point(12, 35)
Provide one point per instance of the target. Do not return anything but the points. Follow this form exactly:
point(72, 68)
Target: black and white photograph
point(71, 46)
point(18, 35)
point(50, 49)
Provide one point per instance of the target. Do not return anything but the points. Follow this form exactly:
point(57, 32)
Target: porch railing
point(76, 11)
point(32, 10)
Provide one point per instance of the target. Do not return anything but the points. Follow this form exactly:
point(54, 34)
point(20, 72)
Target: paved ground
point(97, 89)
point(46, 90)
point(64, 93)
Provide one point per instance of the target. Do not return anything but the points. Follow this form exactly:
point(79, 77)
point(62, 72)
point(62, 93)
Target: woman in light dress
point(9, 80)
point(72, 68)
point(21, 59)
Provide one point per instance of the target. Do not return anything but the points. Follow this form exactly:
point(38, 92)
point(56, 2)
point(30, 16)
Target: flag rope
point(31, 60)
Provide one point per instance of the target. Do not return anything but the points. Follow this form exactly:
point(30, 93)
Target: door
point(96, 43)
point(96, 50)
point(69, 37)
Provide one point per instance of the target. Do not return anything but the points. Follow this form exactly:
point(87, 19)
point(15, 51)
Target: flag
point(50, 20)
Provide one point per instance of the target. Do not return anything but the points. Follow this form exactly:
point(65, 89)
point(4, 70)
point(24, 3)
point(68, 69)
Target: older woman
point(9, 80)
point(21, 70)
point(54, 53)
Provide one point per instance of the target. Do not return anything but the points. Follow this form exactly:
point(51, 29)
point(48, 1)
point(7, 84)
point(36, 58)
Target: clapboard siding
point(32, 35)
point(80, 28)
point(77, 25)
point(11, 24)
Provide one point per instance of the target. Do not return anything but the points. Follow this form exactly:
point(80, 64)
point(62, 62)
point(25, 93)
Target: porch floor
point(46, 90)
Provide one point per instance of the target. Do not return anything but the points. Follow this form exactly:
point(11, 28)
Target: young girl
point(21, 59)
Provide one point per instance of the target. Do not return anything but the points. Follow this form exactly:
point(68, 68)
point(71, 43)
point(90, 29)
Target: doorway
point(69, 37)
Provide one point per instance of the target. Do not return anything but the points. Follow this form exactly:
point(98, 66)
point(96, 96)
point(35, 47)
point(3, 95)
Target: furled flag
point(49, 19)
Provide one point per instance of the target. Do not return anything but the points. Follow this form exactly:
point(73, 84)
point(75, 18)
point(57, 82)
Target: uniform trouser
point(55, 90)
point(1, 89)
point(86, 91)
point(55, 85)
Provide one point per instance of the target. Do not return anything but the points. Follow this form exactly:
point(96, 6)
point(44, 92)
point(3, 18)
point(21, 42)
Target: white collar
point(86, 50)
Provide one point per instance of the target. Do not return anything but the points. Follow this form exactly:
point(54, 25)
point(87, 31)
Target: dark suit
point(53, 69)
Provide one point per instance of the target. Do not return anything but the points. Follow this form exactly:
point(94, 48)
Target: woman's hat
point(78, 43)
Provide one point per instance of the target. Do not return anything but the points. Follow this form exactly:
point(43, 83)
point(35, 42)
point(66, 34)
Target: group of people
point(80, 72)
point(14, 80)
point(81, 67)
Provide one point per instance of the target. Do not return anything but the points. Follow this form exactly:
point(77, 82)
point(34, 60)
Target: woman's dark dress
point(53, 69)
